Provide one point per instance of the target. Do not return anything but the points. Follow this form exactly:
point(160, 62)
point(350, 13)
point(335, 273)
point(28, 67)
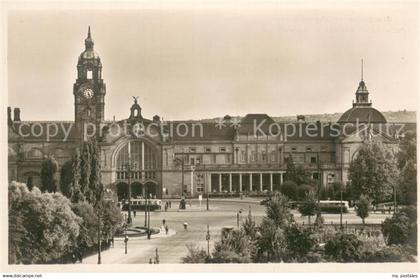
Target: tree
point(66, 178)
point(373, 173)
point(235, 247)
point(362, 207)
point(271, 243)
point(277, 209)
point(42, 226)
point(195, 255)
point(49, 179)
point(309, 206)
point(407, 164)
point(88, 235)
point(401, 228)
point(76, 188)
point(344, 248)
point(296, 174)
point(249, 227)
point(299, 240)
point(302, 190)
point(289, 189)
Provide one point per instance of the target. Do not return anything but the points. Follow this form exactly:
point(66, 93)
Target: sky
point(194, 62)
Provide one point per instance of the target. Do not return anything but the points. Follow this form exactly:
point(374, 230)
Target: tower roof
point(89, 52)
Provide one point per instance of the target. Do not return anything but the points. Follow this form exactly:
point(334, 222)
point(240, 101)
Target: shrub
point(362, 207)
point(235, 247)
point(344, 248)
point(397, 229)
point(392, 253)
point(309, 206)
point(299, 241)
point(195, 255)
point(289, 189)
point(302, 190)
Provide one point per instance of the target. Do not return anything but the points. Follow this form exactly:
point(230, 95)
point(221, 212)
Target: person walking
point(166, 229)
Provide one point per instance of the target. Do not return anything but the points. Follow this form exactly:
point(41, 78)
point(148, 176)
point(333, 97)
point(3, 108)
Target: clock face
point(88, 93)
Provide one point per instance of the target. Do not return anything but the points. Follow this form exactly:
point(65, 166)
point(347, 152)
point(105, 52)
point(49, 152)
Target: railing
point(136, 174)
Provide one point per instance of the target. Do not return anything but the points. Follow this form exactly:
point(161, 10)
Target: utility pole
point(148, 217)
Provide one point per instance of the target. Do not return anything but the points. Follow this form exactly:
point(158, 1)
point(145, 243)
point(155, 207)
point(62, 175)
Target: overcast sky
point(193, 63)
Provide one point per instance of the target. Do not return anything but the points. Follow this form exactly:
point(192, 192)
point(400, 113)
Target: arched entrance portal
point(136, 162)
point(122, 191)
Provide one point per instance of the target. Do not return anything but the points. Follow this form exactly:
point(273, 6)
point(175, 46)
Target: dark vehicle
point(333, 206)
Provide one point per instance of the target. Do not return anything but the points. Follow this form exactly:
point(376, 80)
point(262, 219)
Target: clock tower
point(89, 89)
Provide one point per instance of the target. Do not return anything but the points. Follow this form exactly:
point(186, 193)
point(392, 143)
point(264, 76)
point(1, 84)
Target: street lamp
point(129, 167)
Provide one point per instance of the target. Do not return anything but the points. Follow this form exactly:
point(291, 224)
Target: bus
point(333, 206)
point(139, 204)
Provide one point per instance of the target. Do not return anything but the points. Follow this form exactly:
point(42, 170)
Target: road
point(172, 247)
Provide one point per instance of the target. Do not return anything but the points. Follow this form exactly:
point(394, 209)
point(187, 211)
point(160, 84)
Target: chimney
point(9, 115)
point(16, 114)
point(300, 118)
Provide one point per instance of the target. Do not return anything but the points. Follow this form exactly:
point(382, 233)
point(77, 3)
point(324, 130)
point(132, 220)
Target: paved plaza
point(172, 247)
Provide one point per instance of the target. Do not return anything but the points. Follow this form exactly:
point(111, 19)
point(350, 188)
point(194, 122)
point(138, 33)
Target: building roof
point(362, 114)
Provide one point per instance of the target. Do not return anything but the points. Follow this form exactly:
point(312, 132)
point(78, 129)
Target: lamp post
point(148, 217)
point(129, 167)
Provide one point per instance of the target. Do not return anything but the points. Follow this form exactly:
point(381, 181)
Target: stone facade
point(171, 158)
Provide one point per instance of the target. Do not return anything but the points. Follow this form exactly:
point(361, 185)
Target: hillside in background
point(403, 116)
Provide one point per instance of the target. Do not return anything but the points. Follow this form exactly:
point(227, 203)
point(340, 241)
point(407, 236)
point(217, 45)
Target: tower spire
point(89, 32)
point(362, 70)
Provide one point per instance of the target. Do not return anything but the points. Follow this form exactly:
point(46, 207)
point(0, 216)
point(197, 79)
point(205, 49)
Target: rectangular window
point(222, 149)
point(308, 149)
point(313, 159)
point(315, 176)
point(208, 149)
point(330, 178)
point(263, 156)
point(273, 156)
point(243, 156)
point(253, 156)
point(192, 160)
point(294, 149)
point(192, 149)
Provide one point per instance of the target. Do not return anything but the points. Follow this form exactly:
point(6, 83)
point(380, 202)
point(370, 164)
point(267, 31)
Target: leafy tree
point(296, 174)
point(344, 248)
point(302, 190)
point(299, 240)
point(195, 255)
point(76, 188)
point(49, 179)
point(362, 207)
point(235, 247)
point(291, 173)
point(66, 178)
point(277, 209)
point(42, 226)
point(88, 235)
point(29, 183)
point(309, 206)
point(407, 164)
point(373, 173)
point(271, 243)
point(289, 189)
point(112, 218)
point(401, 228)
point(249, 227)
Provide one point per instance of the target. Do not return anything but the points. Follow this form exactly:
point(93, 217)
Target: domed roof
point(362, 114)
point(89, 54)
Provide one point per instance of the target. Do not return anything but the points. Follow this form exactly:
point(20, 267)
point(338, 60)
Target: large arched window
point(139, 151)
